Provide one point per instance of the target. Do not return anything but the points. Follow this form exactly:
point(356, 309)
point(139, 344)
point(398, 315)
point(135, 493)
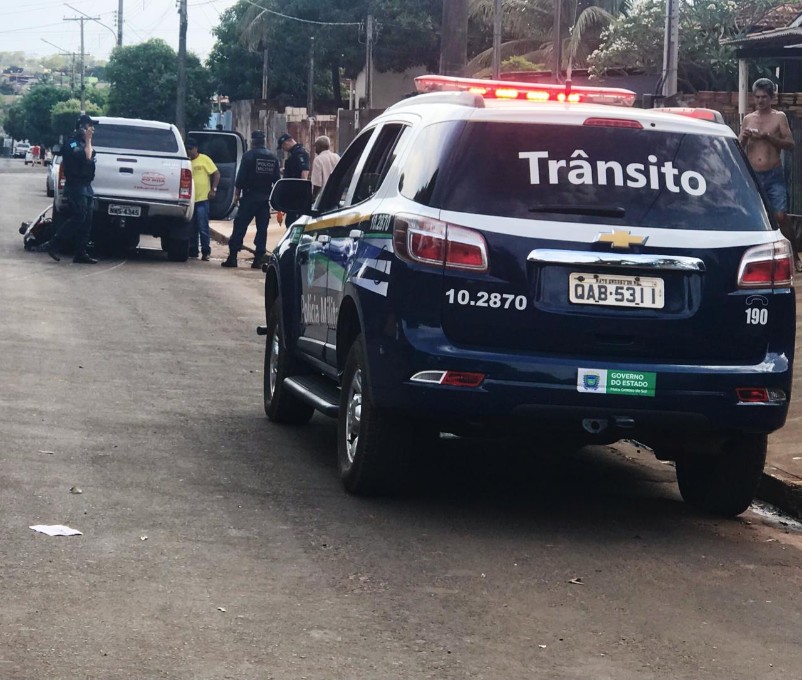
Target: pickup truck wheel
point(373, 448)
point(177, 249)
point(280, 405)
point(725, 483)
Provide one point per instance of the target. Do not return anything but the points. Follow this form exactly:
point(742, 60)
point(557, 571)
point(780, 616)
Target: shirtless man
point(764, 133)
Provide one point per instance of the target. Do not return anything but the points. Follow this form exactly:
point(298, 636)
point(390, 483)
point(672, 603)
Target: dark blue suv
point(583, 272)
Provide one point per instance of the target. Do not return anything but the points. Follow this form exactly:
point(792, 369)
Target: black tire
point(725, 483)
point(177, 249)
point(50, 192)
point(374, 449)
point(281, 406)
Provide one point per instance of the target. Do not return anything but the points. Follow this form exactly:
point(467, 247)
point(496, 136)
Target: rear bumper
point(542, 392)
point(170, 211)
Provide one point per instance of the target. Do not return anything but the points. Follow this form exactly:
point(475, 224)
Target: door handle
point(129, 171)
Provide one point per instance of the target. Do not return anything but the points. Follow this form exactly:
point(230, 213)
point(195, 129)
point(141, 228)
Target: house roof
point(777, 33)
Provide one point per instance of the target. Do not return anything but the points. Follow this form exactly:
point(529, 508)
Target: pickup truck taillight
point(185, 190)
point(61, 179)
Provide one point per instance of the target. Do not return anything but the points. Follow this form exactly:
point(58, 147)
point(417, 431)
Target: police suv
point(533, 255)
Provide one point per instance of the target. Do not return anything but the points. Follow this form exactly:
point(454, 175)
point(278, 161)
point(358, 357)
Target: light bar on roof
point(533, 92)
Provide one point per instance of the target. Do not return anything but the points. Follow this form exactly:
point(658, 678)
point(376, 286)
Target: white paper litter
point(55, 530)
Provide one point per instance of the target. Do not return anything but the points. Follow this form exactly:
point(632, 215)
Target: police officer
point(78, 161)
point(257, 173)
point(296, 166)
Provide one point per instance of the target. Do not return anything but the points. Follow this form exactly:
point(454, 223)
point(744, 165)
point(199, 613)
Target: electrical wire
point(304, 21)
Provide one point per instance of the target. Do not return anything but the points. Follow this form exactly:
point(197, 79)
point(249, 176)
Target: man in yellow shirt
point(205, 177)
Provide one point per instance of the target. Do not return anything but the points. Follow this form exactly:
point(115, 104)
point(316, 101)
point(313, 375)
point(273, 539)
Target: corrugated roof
point(777, 36)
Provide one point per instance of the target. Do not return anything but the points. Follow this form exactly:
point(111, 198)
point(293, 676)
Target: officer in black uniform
point(257, 173)
point(78, 160)
point(296, 166)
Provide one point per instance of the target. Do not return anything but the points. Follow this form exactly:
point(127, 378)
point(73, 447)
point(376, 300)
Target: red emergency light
point(532, 92)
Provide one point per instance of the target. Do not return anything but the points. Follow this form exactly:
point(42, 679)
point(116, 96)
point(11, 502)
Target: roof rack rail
point(457, 98)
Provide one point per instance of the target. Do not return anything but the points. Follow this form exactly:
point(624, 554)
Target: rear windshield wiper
point(565, 209)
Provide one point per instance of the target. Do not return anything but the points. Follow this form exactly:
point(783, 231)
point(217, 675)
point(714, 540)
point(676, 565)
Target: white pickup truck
point(143, 183)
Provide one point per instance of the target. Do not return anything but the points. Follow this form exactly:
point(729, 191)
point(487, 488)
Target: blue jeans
point(773, 183)
point(250, 207)
point(200, 228)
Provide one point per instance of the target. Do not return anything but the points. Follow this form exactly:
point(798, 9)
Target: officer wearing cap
point(257, 173)
point(296, 166)
point(78, 163)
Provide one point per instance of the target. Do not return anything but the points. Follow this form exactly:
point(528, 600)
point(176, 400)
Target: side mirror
point(292, 196)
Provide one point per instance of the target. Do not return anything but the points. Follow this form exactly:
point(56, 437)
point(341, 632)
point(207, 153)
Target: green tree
point(406, 35)
point(14, 122)
point(64, 114)
point(36, 106)
point(528, 29)
point(143, 84)
point(636, 41)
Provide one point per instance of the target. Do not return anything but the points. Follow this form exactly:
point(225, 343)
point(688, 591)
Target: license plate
point(616, 291)
point(125, 210)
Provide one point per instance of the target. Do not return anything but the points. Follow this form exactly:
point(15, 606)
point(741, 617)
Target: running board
point(316, 391)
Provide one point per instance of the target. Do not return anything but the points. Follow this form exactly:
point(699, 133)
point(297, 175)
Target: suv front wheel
point(724, 483)
point(373, 447)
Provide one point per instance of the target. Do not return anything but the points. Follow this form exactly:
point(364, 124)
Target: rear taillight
point(767, 266)
point(62, 180)
point(450, 378)
point(430, 241)
point(185, 189)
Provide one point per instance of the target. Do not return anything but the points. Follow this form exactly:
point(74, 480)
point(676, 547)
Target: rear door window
point(135, 138)
point(378, 161)
point(596, 175)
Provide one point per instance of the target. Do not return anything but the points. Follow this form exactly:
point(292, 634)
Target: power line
point(304, 21)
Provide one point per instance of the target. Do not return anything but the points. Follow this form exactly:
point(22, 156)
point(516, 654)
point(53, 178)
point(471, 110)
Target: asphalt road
point(216, 545)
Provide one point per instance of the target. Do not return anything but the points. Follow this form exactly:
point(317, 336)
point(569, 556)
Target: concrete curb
point(782, 490)
point(221, 238)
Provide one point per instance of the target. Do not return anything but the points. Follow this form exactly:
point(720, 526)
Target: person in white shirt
point(324, 163)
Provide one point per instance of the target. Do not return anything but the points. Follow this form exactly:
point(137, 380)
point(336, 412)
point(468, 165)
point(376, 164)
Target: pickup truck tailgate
point(138, 177)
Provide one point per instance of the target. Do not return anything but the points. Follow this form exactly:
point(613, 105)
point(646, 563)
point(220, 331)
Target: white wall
point(389, 87)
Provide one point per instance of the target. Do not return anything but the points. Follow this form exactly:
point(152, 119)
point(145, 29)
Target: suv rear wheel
point(725, 483)
point(373, 448)
point(280, 405)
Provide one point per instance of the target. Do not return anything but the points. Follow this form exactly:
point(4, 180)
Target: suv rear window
point(135, 138)
point(599, 175)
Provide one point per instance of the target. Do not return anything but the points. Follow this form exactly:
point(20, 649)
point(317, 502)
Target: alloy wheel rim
point(353, 415)
point(273, 364)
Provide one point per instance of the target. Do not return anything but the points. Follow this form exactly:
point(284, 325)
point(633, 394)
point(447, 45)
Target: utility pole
point(265, 64)
point(181, 94)
point(496, 39)
point(671, 49)
point(369, 64)
point(83, 88)
point(65, 53)
point(557, 43)
point(310, 86)
point(454, 38)
point(120, 24)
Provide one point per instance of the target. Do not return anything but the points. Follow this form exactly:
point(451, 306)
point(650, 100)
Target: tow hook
point(594, 425)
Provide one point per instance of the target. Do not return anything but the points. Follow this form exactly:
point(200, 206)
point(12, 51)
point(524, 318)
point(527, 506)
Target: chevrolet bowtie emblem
point(621, 239)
